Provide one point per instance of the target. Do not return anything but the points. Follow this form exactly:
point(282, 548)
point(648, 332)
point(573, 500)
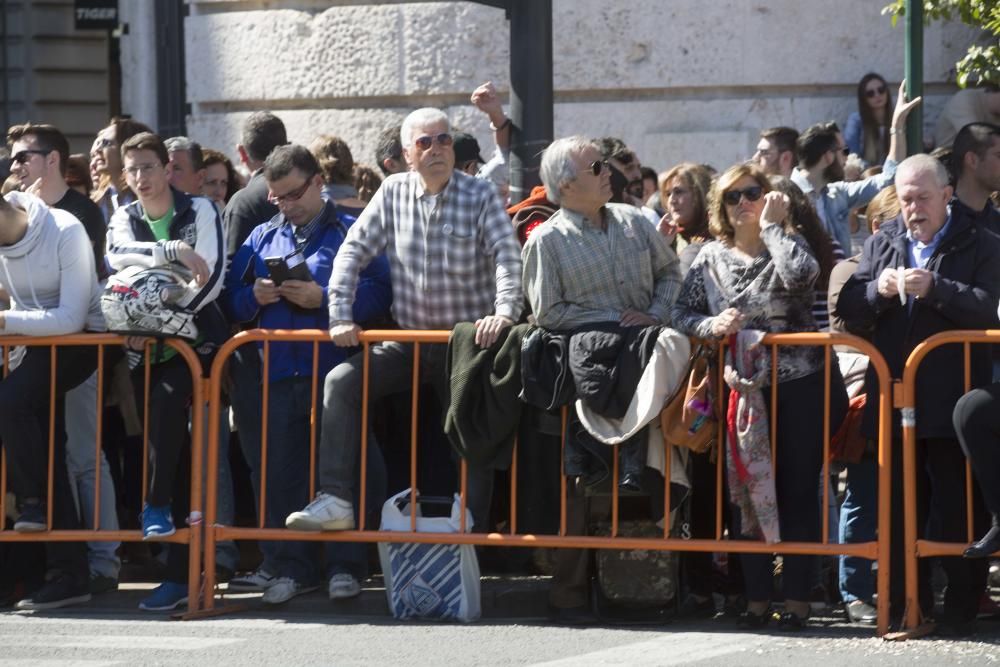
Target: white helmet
point(143, 301)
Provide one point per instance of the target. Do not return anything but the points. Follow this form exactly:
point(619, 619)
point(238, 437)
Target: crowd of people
point(595, 281)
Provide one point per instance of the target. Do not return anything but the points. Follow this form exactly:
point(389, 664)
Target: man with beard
point(822, 154)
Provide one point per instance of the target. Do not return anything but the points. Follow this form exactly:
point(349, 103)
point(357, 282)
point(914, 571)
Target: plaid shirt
point(576, 274)
point(455, 263)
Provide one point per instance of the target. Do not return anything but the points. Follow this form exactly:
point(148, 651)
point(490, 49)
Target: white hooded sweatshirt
point(49, 274)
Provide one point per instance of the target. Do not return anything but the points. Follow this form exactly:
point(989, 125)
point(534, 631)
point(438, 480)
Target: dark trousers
point(977, 423)
point(799, 463)
point(699, 572)
point(170, 389)
point(946, 522)
point(24, 431)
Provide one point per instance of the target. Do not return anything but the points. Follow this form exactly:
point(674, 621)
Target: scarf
point(748, 451)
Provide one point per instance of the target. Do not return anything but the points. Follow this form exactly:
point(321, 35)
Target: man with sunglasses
point(39, 156)
point(822, 155)
point(454, 258)
point(776, 151)
point(307, 232)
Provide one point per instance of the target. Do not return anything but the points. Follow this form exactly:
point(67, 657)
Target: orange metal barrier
point(919, 548)
point(876, 550)
point(191, 536)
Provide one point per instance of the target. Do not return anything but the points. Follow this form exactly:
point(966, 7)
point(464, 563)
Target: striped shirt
point(576, 274)
point(455, 261)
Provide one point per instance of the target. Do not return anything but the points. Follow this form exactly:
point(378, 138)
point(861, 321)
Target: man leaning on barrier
point(590, 264)
point(48, 273)
point(947, 269)
point(307, 232)
point(453, 258)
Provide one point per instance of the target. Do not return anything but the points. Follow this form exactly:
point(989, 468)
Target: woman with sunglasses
point(759, 273)
point(867, 132)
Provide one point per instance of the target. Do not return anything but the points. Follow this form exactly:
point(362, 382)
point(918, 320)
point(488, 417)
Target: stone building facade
point(676, 79)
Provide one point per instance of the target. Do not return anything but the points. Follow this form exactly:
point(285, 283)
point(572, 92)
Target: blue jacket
point(276, 239)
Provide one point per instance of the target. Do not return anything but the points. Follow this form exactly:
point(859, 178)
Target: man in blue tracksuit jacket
point(307, 232)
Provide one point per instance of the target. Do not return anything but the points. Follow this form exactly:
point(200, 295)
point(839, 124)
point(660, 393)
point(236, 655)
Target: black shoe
point(102, 584)
point(988, 545)
point(790, 622)
point(61, 591)
point(955, 628)
point(32, 518)
point(223, 575)
point(581, 615)
point(861, 613)
point(751, 621)
point(692, 607)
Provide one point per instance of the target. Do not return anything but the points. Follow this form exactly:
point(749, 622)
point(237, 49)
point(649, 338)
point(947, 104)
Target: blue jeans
point(245, 397)
point(287, 491)
point(858, 521)
point(82, 465)
point(227, 554)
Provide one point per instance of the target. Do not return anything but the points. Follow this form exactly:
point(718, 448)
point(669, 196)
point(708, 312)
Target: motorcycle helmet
point(143, 301)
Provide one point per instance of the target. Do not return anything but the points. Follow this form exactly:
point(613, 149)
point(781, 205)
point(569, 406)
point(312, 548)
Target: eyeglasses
point(294, 195)
point(761, 152)
point(846, 150)
point(138, 169)
point(597, 166)
point(424, 142)
point(732, 197)
point(21, 157)
point(103, 143)
point(872, 92)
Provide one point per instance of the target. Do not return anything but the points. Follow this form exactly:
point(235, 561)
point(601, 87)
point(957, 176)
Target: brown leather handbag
point(688, 419)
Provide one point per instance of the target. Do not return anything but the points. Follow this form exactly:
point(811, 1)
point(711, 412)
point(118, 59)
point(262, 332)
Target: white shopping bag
point(429, 581)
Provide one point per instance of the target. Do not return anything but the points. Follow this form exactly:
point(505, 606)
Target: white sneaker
point(343, 586)
point(326, 512)
point(252, 582)
point(283, 590)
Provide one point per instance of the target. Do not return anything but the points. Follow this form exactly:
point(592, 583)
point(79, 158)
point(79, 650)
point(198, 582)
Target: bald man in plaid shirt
point(453, 258)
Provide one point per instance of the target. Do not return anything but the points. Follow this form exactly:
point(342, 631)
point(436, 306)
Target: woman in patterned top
point(760, 274)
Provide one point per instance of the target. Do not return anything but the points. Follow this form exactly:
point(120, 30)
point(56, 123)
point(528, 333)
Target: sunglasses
point(21, 157)
point(732, 197)
point(872, 92)
point(424, 142)
point(294, 195)
point(597, 166)
point(846, 150)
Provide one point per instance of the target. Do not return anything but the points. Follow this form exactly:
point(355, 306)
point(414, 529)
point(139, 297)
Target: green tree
point(981, 63)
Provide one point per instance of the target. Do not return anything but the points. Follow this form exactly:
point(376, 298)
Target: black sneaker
point(32, 518)
point(61, 591)
point(102, 584)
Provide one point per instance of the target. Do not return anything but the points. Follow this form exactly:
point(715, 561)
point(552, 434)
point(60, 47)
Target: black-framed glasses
point(732, 197)
point(597, 166)
point(294, 195)
point(424, 142)
point(872, 92)
point(21, 157)
point(846, 150)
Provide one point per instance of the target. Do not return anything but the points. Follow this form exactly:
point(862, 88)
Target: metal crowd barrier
point(876, 550)
point(920, 548)
point(190, 536)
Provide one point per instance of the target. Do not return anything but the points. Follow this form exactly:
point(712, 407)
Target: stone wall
point(676, 79)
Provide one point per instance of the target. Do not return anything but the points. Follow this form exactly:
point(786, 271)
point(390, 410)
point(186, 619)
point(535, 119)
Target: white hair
point(420, 118)
point(558, 164)
point(922, 163)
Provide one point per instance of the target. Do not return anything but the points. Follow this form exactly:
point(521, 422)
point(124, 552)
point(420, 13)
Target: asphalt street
point(311, 631)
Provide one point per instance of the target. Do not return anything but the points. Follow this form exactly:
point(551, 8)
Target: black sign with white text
point(96, 14)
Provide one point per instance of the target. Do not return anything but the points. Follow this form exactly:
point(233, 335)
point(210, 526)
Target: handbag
point(429, 581)
point(688, 419)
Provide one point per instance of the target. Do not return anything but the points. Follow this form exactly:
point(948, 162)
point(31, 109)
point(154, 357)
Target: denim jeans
point(226, 552)
point(81, 463)
point(245, 397)
point(287, 489)
point(858, 521)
